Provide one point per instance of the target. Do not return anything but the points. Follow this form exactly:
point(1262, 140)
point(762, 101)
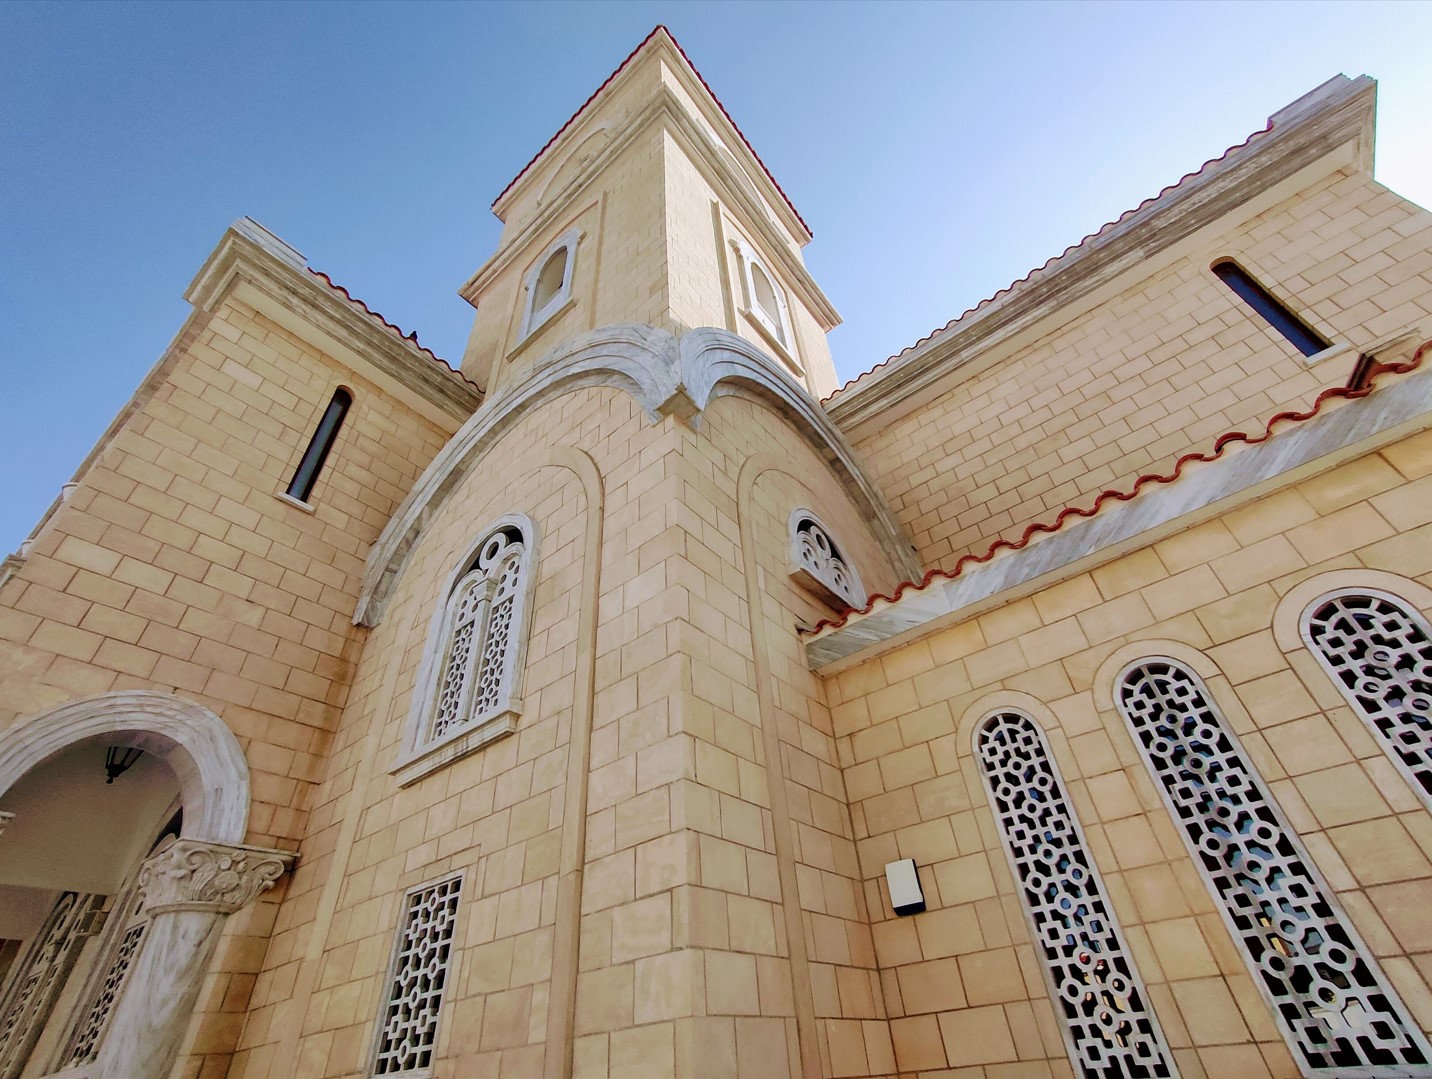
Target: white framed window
point(764, 300)
point(468, 685)
point(418, 976)
point(1109, 1026)
point(548, 284)
point(819, 565)
point(1377, 649)
point(1336, 1009)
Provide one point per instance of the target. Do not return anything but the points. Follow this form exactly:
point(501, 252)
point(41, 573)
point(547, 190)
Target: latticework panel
point(408, 1025)
point(39, 978)
point(87, 1036)
point(1108, 1023)
point(817, 553)
point(457, 673)
point(1331, 1000)
point(1380, 655)
point(497, 646)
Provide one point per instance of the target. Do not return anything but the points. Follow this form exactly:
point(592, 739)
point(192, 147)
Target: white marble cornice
point(669, 378)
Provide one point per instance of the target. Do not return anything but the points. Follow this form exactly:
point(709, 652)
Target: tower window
point(1297, 332)
point(549, 282)
point(1335, 1007)
point(301, 486)
point(765, 301)
point(1094, 984)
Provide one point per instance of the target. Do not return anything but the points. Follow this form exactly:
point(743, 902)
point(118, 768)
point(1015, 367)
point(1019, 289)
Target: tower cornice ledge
point(669, 378)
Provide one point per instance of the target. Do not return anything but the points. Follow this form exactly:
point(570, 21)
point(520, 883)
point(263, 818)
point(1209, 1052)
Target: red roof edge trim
point(658, 29)
point(1050, 261)
point(1220, 447)
point(410, 337)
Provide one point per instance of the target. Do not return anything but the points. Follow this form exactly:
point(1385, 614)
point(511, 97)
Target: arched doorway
point(119, 813)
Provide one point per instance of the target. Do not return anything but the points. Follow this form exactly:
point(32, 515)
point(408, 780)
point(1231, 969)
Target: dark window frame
point(1273, 311)
point(305, 477)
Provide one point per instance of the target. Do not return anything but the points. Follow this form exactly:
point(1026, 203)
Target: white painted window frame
point(534, 320)
point(816, 578)
point(778, 334)
point(450, 975)
point(421, 753)
point(1416, 617)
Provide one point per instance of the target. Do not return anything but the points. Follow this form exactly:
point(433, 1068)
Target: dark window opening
point(1297, 332)
point(301, 486)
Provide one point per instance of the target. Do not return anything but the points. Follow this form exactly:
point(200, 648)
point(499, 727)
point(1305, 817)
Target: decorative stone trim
point(533, 319)
point(220, 878)
point(775, 326)
point(5, 818)
point(669, 378)
point(819, 566)
point(1353, 429)
point(204, 754)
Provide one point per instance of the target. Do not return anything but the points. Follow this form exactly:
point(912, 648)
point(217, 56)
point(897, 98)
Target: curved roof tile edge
point(1220, 445)
point(658, 29)
point(411, 337)
point(1049, 262)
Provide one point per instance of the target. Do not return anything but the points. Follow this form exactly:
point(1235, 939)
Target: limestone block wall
point(961, 981)
point(174, 566)
point(1166, 366)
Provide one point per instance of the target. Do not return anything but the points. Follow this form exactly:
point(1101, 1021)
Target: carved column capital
point(219, 878)
point(5, 818)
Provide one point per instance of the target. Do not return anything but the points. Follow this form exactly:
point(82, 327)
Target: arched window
point(1293, 329)
point(549, 282)
point(765, 303)
point(306, 475)
point(1108, 1024)
point(467, 694)
point(1333, 1004)
point(820, 567)
point(1378, 651)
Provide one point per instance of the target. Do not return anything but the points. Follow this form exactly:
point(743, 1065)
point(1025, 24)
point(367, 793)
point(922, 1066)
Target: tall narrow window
point(820, 568)
point(467, 694)
point(1337, 1011)
point(417, 979)
point(301, 486)
point(1108, 1025)
point(1378, 651)
point(765, 303)
point(1297, 332)
point(549, 282)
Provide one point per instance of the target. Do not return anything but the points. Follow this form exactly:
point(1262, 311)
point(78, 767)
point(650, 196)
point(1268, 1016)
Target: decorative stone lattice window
point(820, 568)
point(765, 302)
point(1378, 651)
point(40, 974)
point(467, 692)
point(121, 947)
point(1332, 1002)
point(417, 979)
point(1108, 1024)
point(548, 285)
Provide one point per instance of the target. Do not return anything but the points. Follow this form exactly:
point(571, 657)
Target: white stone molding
point(468, 691)
point(669, 378)
point(534, 317)
point(1377, 649)
point(819, 566)
point(5, 818)
point(1337, 434)
point(203, 753)
point(188, 874)
point(421, 967)
point(1107, 1018)
point(1333, 1005)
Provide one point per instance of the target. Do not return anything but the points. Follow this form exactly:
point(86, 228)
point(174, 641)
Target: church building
point(629, 699)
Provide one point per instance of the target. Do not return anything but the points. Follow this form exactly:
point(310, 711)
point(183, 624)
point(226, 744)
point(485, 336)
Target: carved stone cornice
point(219, 878)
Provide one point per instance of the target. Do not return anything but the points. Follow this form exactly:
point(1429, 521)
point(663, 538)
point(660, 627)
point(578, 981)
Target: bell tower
point(648, 206)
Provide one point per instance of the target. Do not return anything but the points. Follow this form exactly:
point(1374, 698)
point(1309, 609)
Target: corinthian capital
point(194, 874)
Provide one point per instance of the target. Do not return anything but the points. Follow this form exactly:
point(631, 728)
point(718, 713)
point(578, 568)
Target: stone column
point(190, 887)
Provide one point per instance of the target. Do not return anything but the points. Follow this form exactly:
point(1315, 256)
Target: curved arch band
point(669, 377)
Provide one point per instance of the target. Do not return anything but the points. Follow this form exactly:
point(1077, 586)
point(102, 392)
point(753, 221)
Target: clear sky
point(938, 151)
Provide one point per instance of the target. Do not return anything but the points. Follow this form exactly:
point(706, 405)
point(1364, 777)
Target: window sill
point(822, 591)
point(307, 507)
point(426, 759)
point(782, 352)
point(534, 331)
point(1332, 352)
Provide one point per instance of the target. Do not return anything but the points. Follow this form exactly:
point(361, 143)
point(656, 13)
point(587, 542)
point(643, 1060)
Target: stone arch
point(203, 753)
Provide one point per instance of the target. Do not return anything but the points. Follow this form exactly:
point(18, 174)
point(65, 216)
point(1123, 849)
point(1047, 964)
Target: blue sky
point(938, 151)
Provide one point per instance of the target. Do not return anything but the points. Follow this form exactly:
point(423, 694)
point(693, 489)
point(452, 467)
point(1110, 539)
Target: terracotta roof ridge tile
point(658, 29)
point(1068, 513)
point(411, 337)
point(1038, 270)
